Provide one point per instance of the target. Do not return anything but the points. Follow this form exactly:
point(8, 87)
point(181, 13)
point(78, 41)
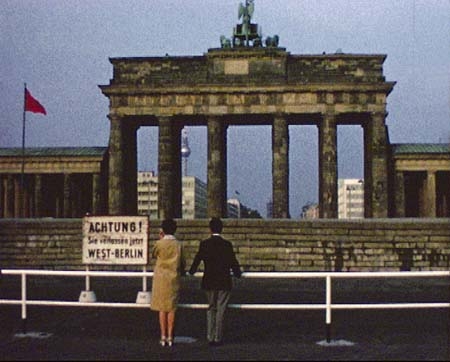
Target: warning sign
point(115, 240)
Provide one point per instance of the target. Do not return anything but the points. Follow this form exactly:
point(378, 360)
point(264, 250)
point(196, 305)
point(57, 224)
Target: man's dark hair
point(215, 225)
point(169, 226)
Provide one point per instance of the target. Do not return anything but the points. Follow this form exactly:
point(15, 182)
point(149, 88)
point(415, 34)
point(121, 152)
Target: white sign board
point(115, 240)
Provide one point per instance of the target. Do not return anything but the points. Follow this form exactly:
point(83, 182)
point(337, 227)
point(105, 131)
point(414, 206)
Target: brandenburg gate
point(246, 83)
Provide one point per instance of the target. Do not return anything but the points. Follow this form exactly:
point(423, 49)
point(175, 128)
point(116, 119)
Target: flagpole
point(22, 193)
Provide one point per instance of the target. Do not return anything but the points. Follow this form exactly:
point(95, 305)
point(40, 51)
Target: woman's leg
point(163, 324)
point(170, 324)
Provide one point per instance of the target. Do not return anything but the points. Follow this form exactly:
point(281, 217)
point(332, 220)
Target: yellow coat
point(170, 263)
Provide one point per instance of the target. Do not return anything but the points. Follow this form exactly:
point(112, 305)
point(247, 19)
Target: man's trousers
point(217, 305)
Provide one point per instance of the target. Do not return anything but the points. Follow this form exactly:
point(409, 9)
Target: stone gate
point(246, 86)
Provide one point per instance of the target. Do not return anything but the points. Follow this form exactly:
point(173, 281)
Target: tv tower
point(185, 150)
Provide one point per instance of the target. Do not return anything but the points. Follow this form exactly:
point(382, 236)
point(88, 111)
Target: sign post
point(115, 240)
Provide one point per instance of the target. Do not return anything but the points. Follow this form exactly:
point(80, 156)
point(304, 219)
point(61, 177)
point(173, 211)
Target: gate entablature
point(253, 80)
point(248, 65)
point(248, 86)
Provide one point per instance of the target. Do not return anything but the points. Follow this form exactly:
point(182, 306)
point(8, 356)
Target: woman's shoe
point(170, 342)
point(163, 341)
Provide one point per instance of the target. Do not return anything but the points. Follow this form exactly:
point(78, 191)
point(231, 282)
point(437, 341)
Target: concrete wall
point(261, 245)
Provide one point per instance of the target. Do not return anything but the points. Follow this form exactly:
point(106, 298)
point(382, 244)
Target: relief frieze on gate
point(244, 101)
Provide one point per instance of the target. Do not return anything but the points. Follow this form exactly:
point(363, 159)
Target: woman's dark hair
point(215, 225)
point(169, 226)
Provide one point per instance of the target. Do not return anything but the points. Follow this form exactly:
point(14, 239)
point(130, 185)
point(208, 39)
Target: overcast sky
point(60, 48)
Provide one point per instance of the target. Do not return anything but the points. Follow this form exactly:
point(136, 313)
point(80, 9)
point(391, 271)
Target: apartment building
point(194, 196)
point(350, 198)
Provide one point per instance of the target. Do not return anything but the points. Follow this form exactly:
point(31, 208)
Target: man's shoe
point(215, 343)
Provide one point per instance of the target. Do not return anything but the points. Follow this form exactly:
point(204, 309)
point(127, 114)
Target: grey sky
point(60, 48)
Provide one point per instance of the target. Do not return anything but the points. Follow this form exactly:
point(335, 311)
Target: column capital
point(169, 121)
point(278, 115)
point(329, 115)
point(114, 116)
point(382, 114)
point(215, 118)
point(164, 118)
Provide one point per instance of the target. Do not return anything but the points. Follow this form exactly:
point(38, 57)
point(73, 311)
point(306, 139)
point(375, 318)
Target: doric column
point(38, 201)
point(399, 194)
point(280, 168)
point(376, 167)
point(76, 196)
point(2, 197)
point(96, 194)
point(328, 207)
point(169, 169)
point(116, 182)
point(67, 197)
point(31, 206)
point(430, 195)
point(17, 197)
point(130, 168)
point(26, 196)
point(59, 201)
point(9, 197)
point(217, 167)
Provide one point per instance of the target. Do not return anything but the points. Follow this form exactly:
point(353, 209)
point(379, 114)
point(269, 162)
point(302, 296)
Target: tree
point(247, 213)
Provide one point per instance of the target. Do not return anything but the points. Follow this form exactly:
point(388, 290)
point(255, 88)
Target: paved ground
point(86, 333)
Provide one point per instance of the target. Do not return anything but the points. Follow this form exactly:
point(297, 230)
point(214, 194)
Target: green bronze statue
point(247, 34)
point(246, 13)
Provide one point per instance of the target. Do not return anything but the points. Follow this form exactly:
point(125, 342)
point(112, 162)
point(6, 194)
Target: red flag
point(32, 104)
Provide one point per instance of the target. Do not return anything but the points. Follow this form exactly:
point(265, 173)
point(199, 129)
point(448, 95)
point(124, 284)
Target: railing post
point(88, 280)
point(328, 308)
point(144, 279)
point(24, 303)
point(87, 296)
point(144, 297)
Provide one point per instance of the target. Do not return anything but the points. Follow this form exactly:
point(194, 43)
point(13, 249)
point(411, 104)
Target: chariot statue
point(247, 34)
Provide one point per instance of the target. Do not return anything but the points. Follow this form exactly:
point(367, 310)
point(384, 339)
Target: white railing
point(328, 306)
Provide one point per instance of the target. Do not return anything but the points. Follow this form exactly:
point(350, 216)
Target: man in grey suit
point(219, 259)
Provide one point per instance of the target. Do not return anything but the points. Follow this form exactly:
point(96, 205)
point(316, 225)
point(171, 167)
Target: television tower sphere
point(185, 150)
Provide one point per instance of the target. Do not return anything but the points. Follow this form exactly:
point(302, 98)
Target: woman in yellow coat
point(170, 265)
